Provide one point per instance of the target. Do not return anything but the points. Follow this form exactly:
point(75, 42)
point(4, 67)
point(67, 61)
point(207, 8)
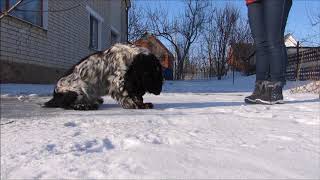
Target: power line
point(311, 42)
point(10, 9)
point(50, 10)
point(25, 2)
point(54, 10)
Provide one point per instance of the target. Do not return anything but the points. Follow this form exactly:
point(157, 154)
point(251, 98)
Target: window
point(95, 29)
point(28, 10)
point(94, 33)
point(2, 5)
point(114, 37)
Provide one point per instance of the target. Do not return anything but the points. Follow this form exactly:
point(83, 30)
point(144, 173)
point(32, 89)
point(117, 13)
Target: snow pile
point(198, 130)
point(312, 87)
point(26, 89)
point(239, 84)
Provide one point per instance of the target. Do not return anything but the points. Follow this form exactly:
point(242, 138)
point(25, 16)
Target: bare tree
point(313, 33)
point(195, 64)
point(210, 42)
point(181, 31)
point(242, 32)
point(315, 20)
point(314, 17)
point(136, 22)
point(242, 48)
point(219, 31)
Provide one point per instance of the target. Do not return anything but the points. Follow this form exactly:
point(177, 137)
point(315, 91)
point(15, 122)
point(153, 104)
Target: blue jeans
point(267, 19)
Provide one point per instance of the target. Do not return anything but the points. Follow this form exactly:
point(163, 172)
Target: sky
point(299, 24)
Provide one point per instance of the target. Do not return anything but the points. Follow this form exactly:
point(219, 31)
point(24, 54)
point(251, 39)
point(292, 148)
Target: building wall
point(118, 19)
point(62, 44)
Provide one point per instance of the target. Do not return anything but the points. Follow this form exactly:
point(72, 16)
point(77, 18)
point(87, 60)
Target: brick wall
point(62, 44)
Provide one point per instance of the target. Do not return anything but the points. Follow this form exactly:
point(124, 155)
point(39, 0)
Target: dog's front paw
point(85, 107)
point(136, 103)
point(138, 106)
point(148, 105)
point(130, 106)
point(100, 101)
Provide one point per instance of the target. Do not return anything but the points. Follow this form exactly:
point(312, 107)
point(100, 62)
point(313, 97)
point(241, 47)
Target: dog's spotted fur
point(125, 72)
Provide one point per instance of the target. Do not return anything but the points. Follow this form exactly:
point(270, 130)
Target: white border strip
point(94, 13)
point(45, 14)
point(100, 19)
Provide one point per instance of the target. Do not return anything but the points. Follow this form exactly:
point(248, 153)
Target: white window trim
point(45, 14)
point(114, 30)
point(44, 17)
point(100, 21)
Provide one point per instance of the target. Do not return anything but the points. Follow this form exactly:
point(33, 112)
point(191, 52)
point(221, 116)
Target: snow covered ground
point(198, 129)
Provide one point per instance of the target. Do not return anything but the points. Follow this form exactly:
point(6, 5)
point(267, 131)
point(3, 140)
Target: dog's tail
point(63, 100)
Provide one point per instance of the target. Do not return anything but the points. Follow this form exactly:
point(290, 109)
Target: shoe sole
point(260, 101)
point(250, 101)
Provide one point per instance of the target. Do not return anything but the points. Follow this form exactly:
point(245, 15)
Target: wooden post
point(298, 61)
point(233, 74)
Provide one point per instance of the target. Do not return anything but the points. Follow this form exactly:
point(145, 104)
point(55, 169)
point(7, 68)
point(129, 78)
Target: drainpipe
point(128, 5)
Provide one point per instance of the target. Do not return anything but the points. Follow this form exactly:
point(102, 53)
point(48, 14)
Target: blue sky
point(298, 23)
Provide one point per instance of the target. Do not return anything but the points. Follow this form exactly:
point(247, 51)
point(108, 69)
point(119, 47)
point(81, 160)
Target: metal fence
point(304, 65)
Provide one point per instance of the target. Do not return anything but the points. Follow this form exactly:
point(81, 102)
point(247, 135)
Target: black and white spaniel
point(126, 72)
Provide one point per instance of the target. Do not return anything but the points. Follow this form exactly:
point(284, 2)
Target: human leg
point(257, 26)
point(276, 14)
point(286, 14)
point(267, 22)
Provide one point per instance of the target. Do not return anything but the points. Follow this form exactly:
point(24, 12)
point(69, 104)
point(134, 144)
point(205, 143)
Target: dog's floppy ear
point(133, 77)
point(144, 74)
point(152, 77)
point(157, 75)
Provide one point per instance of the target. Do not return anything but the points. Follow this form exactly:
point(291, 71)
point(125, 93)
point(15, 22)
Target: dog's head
point(145, 75)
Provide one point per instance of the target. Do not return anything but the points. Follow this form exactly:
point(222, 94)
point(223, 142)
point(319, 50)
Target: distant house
point(156, 47)
point(290, 41)
point(41, 39)
point(241, 57)
point(292, 45)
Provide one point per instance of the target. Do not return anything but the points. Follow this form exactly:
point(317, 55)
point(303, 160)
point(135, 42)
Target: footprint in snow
point(93, 146)
point(50, 147)
point(76, 134)
point(70, 124)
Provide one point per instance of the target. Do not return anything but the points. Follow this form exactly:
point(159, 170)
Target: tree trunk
point(180, 70)
point(210, 66)
point(218, 71)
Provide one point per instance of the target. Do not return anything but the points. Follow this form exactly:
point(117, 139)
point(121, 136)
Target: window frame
point(94, 22)
point(100, 20)
point(117, 33)
point(43, 14)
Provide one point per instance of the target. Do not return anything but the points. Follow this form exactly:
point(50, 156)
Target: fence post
point(298, 60)
point(233, 72)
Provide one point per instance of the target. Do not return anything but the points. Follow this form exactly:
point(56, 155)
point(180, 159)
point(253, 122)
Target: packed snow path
point(191, 133)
